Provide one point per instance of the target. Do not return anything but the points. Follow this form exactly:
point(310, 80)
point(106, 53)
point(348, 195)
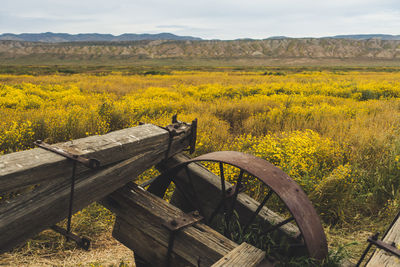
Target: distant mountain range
point(50, 37)
point(367, 36)
point(134, 51)
point(350, 36)
point(60, 48)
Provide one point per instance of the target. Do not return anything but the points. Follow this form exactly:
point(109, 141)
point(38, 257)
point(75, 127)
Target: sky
point(208, 19)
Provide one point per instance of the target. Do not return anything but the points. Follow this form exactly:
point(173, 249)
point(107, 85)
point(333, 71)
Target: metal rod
point(257, 210)
point(237, 187)
point(221, 171)
point(364, 254)
point(71, 199)
point(170, 247)
point(282, 223)
point(80, 241)
point(223, 189)
point(376, 237)
point(90, 163)
point(223, 193)
point(391, 248)
point(183, 193)
point(221, 202)
point(230, 213)
point(198, 205)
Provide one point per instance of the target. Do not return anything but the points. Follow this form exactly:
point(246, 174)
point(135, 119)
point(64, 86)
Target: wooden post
point(48, 204)
point(37, 165)
point(139, 226)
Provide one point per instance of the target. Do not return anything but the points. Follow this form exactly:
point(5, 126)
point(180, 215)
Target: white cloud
point(223, 19)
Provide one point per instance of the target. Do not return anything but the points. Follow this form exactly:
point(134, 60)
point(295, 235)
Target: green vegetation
point(336, 131)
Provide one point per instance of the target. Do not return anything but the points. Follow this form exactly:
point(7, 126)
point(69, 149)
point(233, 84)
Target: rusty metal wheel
point(241, 203)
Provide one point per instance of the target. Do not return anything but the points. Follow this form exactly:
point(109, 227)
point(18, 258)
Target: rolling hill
point(49, 37)
point(303, 50)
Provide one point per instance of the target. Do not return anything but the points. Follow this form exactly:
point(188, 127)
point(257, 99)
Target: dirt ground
point(104, 251)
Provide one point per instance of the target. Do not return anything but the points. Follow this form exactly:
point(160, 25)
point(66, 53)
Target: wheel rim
point(279, 184)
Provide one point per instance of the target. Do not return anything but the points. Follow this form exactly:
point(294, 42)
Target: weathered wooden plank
point(208, 187)
point(385, 259)
point(27, 216)
point(140, 218)
point(244, 255)
point(37, 165)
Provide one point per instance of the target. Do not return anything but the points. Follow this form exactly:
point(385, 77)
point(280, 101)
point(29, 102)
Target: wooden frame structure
point(160, 233)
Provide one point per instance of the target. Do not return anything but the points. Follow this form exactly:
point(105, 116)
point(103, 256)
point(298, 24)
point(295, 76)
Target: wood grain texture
point(48, 204)
point(208, 187)
point(37, 165)
point(140, 218)
point(244, 255)
point(382, 258)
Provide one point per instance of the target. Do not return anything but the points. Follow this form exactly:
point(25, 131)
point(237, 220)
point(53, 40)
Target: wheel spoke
point(257, 210)
point(196, 199)
point(228, 217)
point(216, 210)
point(188, 199)
point(222, 204)
point(221, 172)
point(223, 194)
point(282, 223)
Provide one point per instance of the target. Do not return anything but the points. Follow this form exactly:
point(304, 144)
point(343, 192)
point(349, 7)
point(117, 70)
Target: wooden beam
point(37, 165)
point(139, 226)
point(48, 204)
point(208, 187)
point(244, 255)
point(382, 258)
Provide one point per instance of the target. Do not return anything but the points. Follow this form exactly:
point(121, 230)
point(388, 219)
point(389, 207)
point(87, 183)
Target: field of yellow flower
point(337, 133)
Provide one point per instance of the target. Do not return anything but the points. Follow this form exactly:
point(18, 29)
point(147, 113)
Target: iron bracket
point(186, 220)
point(373, 240)
point(177, 224)
point(82, 242)
point(391, 248)
point(87, 162)
point(177, 128)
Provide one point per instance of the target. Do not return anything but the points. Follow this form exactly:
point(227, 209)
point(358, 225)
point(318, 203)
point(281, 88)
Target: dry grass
point(360, 111)
point(354, 242)
point(104, 251)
